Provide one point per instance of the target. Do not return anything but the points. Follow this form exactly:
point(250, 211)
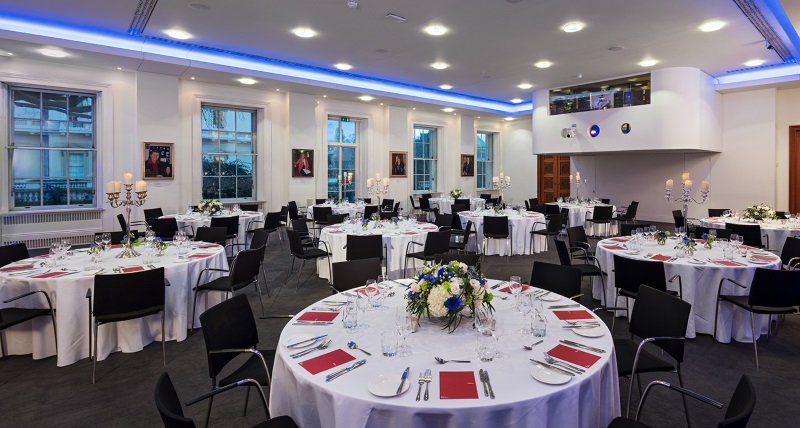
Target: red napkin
point(50, 275)
point(507, 289)
point(200, 256)
point(410, 233)
point(14, 268)
point(620, 239)
point(363, 291)
point(457, 385)
point(318, 316)
point(580, 314)
point(326, 361)
point(700, 241)
point(660, 258)
point(130, 269)
point(167, 216)
point(727, 263)
point(613, 247)
point(574, 356)
point(768, 258)
point(116, 246)
point(208, 246)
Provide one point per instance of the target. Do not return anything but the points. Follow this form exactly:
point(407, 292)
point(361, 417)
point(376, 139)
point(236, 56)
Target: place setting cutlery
point(530, 347)
point(483, 375)
point(347, 369)
point(311, 339)
point(553, 367)
point(421, 382)
point(564, 306)
point(441, 360)
point(403, 378)
point(582, 346)
point(323, 345)
point(553, 361)
point(428, 379)
point(498, 285)
point(353, 345)
point(312, 323)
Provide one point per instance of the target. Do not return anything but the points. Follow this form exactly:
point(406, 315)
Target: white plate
point(385, 385)
point(300, 338)
point(758, 262)
point(696, 262)
point(551, 297)
point(186, 260)
point(551, 377)
point(92, 272)
point(589, 332)
point(633, 253)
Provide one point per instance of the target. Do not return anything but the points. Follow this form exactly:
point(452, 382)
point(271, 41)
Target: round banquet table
point(578, 213)
point(700, 279)
point(395, 241)
point(345, 208)
point(195, 220)
point(587, 400)
point(521, 227)
point(774, 230)
point(445, 204)
point(68, 296)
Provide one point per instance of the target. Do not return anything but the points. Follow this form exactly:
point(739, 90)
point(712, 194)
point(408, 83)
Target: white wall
point(515, 159)
point(788, 114)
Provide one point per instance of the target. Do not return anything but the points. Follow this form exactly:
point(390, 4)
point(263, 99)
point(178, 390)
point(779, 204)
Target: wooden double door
point(553, 179)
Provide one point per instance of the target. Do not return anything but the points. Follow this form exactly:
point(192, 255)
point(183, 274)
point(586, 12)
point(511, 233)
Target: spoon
point(530, 347)
point(554, 361)
point(352, 345)
point(443, 361)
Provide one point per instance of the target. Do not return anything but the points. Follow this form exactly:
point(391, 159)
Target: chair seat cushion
point(128, 315)
point(420, 255)
point(648, 362)
point(312, 253)
point(251, 369)
point(598, 221)
point(588, 270)
point(544, 232)
point(495, 236)
point(13, 316)
point(279, 422)
point(633, 295)
point(742, 302)
point(620, 422)
point(222, 283)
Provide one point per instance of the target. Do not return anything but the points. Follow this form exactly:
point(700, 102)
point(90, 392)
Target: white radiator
point(39, 230)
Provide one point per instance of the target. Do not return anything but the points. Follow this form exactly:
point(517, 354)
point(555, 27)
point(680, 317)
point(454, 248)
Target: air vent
point(142, 15)
point(45, 242)
point(760, 67)
point(39, 218)
point(39, 230)
point(395, 18)
point(752, 12)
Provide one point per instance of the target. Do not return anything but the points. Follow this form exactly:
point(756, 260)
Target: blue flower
point(413, 296)
point(482, 281)
point(158, 239)
point(440, 272)
point(454, 303)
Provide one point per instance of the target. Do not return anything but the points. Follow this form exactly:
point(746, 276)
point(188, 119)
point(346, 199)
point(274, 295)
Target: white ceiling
point(491, 45)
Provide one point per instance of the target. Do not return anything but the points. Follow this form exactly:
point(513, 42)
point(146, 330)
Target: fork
point(427, 382)
point(420, 381)
point(322, 345)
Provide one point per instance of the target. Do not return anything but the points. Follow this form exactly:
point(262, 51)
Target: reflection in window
point(341, 156)
point(228, 154)
point(485, 160)
point(52, 148)
point(424, 159)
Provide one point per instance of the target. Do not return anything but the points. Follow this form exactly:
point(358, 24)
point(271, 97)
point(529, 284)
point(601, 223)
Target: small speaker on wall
point(625, 128)
point(594, 131)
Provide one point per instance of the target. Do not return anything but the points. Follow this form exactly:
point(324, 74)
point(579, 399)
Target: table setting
point(521, 222)
point(775, 230)
point(445, 204)
point(579, 211)
point(343, 207)
point(247, 220)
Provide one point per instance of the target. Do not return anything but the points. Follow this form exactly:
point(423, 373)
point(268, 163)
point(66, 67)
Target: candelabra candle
point(686, 195)
point(377, 187)
point(128, 202)
point(501, 183)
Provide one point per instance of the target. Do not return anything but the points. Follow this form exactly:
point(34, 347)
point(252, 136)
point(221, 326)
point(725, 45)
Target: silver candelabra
point(128, 202)
point(377, 188)
point(686, 195)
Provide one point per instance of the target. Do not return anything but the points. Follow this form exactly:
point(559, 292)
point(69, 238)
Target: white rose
point(455, 289)
point(415, 287)
point(474, 283)
point(463, 267)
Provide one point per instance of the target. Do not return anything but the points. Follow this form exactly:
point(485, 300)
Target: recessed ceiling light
point(525, 86)
point(192, 77)
point(509, 119)
point(648, 62)
point(543, 64)
point(53, 53)
point(573, 27)
point(178, 34)
point(10, 53)
point(754, 62)
point(343, 66)
point(710, 26)
point(247, 81)
point(448, 109)
point(366, 98)
point(119, 68)
point(436, 30)
point(304, 32)
point(198, 6)
point(446, 86)
point(440, 65)
point(381, 103)
point(516, 100)
point(413, 108)
point(324, 96)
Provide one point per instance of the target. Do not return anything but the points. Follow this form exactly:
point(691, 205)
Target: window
point(485, 160)
point(229, 157)
point(424, 159)
point(341, 156)
point(52, 148)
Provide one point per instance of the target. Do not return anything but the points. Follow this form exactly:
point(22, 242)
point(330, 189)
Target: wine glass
point(525, 305)
point(363, 305)
point(106, 239)
point(653, 230)
point(403, 322)
point(98, 240)
point(515, 286)
point(371, 290)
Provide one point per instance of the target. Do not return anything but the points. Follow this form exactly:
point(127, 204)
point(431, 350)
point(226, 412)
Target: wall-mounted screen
point(615, 93)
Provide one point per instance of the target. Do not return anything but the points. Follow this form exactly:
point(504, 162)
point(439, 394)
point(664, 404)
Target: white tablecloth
point(246, 219)
point(346, 208)
point(579, 213)
point(588, 400)
point(445, 204)
point(774, 229)
point(68, 295)
point(700, 282)
point(395, 240)
point(520, 235)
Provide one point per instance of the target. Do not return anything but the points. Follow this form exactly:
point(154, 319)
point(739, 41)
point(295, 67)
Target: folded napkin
point(613, 247)
point(363, 290)
point(327, 361)
point(208, 246)
point(455, 385)
point(200, 256)
point(620, 239)
point(660, 258)
point(130, 269)
point(574, 356)
point(410, 233)
point(507, 289)
point(51, 275)
point(580, 314)
point(757, 257)
point(167, 216)
point(318, 316)
point(16, 268)
point(727, 263)
point(116, 246)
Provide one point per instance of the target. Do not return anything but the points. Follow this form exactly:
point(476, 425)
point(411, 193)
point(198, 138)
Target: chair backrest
point(364, 247)
point(336, 218)
point(791, 249)
point(424, 203)
point(319, 201)
point(13, 252)
point(248, 207)
point(165, 228)
point(630, 213)
point(437, 243)
point(625, 229)
point(413, 204)
point(576, 235)
point(300, 226)
point(386, 204)
point(496, 226)
point(541, 209)
point(293, 211)
point(658, 314)
point(716, 212)
point(388, 215)
point(272, 221)
point(443, 220)
point(741, 406)
point(128, 293)
point(603, 213)
point(472, 260)
point(152, 213)
point(775, 288)
point(556, 222)
point(355, 273)
point(295, 242)
point(750, 232)
point(169, 405)
point(559, 279)
point(630, 274)
point(214, 235)
point(461, 201)
point(550, 209)
point(396, 207)
point(605, 200)
point(677, 217)
point(723, 233)
point(321, 213)
point(563, 253)
point(565, 216)
point(367, 200)
point(533, 202)
point(486, 196)
point(231, 223)
point(259, 239)
point(369, 210)
point(228, 325)
point(123, 225)
point(527, 205)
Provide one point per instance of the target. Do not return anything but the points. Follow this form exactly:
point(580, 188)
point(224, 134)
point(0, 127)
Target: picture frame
point(302, 163)
point(398, 164)
point(158, 161)
point(467, 165)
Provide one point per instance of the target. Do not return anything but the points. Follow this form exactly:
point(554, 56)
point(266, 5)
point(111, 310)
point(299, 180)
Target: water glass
point(727, 252)
point(363, 305)
point(487, 346)
point(350, 317)
point(525, 305)
point(539, 326)
point(389, 343)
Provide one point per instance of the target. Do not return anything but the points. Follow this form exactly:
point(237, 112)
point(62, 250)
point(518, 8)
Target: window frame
point(340, 144)
point(487, 175)
point(255, 128)
point(434, 159)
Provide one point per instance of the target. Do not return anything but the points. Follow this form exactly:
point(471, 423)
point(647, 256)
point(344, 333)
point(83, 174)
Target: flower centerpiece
point(160, 246)
point(709, 240)
point(758, 212)
point(661, 236)
point(456, 193)
point(447, 291)
point(210, 206)
point(688, 246)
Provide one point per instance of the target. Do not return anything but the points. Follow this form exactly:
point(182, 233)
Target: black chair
point(414, 207)
point(473, 260)
point(306, 238)
point(10, 317)
point(272, 224)
point(550, 209)
point(258, 240)
point(541, 209)
point(243, 272)
point(123, 297)
point(698, 232)
point(790, 253)
point(369, 210)
point(294, 211)
point(387, 204)
point(587, 269)
point(435, 243)
point(336, 219)
point(124, 225)
point(751, 234)
point(249, 207)
point(781, 215)
point(486, 196)
point(565, 220)
point(630, 274)
point(212, 235)
point(169, 405)
point(606, 201)
point(458, 201)
point(319, 201)
point(388, 215)
point(229, 330)
point(723, 233)
point(364, 247)
point(456, 224)
point(527, 205)
point(740, 408)
point(443, 221)
point(497, 227)
point(461, 245)
point(152, 213)
point(717, 212)
point(299, 251)
point(602, 214)
point(625, 229)
point(425, 206)
point(628, 215)
point(13, 253)
point(772, 292)
point(396, 208)
point(533, 202)
point(321, 215)
point(231, 223)
point(559, 279)
point(551, 228)
point(578, 240)
point(691, 223)
point(354, 273)
point(367, 200)
point(164, 228)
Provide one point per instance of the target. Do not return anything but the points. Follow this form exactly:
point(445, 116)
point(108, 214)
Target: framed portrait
point(159, 161)
point(467, 165)
point(399, 164)
point(302, 163)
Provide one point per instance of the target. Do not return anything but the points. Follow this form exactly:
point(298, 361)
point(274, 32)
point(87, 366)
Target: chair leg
point(264, 274)
point(683, 397)
point(94, 361)
point(299, 272)
point(2, 346)
point(603, 283)
point(753, 331)
point(194, 308)
point(210, 401)
point(163, 338)
point(246, 399)
point(260, 297)
point(716, 319)
point(55, 332)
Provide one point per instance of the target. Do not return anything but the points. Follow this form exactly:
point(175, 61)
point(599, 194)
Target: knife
point(292, 345)
point(482, 377)
point(563, 306)
point(349, 368)
point(498, 285)
point(581, 326)
point(398, 282)
point(403, 380)
point(312, 323)
point(580, 345)
point(324, 309)
point(488, 382)
point(552, 367)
